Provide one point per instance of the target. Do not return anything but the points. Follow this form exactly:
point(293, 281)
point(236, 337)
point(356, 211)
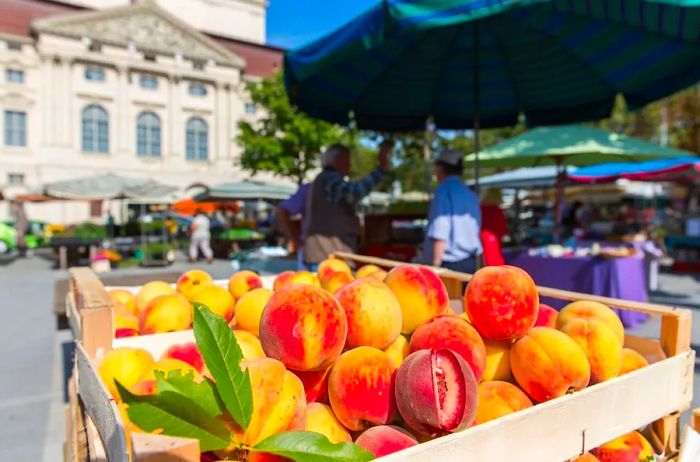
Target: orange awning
point(189, 206)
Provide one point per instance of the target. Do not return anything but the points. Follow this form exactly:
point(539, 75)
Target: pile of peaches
point(381, 358)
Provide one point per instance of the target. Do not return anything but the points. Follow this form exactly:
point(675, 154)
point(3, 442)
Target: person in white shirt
point(199, 240)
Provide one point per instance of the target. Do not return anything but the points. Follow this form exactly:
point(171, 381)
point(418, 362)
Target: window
point(14, 75)
point(15, 128)
point(14, 46)
point(148, 135)
point(95, 126)
point(95, 47)
point(96, 209)
point(197, 89)
point(198, 65)
point(95, 73)
point(15, 178)
point(197, 133)
point(148, 81)
point(250, 108)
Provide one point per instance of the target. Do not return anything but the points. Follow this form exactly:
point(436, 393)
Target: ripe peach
point(587, 457)
point(151, 290)
point(217, 299)
point(250, 345)
point(249, 310)
point(366, 270)
point(548, 364)
point(373, 313)
point(336, 281)
point(587, 309)
point(187, 352)
point(166, 365)
point(498, 360)
point(421, 294)
point(125, 365)
point(330, 266)
point(398, 350)
point(497, 399)
point(146, 387)
point(452, 333)
point(166, 313)
point(631, 361)
point(632, 447)
point(242, 282)
point(125, 324)
point(315, 384)
point(282, 279)
point(602, 348)
point(126, 298)
point(546, 316)
point(385, 439)
point(436, 392)
point(361, 388)
point(502, 302)
point(320, 419)
point(305, 277)
point(304, 327)
point(189, 283)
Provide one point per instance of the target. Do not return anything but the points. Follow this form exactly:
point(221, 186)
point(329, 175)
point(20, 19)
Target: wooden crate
point(554, 431)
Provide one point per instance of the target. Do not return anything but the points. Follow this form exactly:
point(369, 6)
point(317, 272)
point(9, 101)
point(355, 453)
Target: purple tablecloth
point(622, 278)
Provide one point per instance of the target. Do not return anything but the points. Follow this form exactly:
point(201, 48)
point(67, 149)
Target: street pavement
point(36, 356)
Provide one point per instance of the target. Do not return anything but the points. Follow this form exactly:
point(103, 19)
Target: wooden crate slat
point(94, 307)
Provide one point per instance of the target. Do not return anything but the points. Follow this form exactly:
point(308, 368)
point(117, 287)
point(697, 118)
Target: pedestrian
point(294, 206)
point(110, 224)
point(331, 223)
point(452, 237)
point(21, 227)
point(494, 227)
point(200, 237)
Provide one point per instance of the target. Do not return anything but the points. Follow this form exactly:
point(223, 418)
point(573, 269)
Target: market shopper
point(494, 227)
point(291, 207)
point(452, 237)
point(331, 221)
point(200, 237)
point(21, 227)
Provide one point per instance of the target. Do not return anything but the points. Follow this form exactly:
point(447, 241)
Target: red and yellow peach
point(602, 348)
point(421, 294)
point(385, 439)
point(189, 283)
point(217, 299)
point(497, 399)
point(243, 281)
point(166, 313)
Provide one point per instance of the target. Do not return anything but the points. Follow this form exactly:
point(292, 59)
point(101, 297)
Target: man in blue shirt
point(454, 220)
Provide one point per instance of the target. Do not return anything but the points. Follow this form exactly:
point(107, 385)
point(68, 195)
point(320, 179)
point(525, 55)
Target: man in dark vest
point(331, 222)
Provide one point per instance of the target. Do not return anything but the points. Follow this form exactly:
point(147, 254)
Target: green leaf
point(223, 357)
point(204, 393)
point(311, 447)
point(176, 416)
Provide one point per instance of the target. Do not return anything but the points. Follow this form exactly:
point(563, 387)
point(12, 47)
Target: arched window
point(197, 145)
point(148, 135)
point(95, 127)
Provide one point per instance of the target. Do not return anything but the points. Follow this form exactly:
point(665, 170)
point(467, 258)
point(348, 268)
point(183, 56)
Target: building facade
point(139, 89)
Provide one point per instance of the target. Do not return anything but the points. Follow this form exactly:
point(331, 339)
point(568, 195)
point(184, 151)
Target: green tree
point(283, 140)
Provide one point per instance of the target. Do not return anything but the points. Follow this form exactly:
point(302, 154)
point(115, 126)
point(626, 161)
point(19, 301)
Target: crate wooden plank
point(94, 308)
point(695, 421)
point(96, 449)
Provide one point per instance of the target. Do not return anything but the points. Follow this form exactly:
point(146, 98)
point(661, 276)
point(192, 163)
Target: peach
point(336, 281)
point(385, 439)
point(587, 457)
point(502, 302)
point(126, 298)
point(305, 277)
point(186, 352)
point(631, 361)
point(304, 327)
point(436, 392)
point(587, 309)
point(191, 282)
point(125, 365)
point(398, 350)
point(315, 384)
point(282, 279)
point(602, 348)
point(373, 313)
point(452, 333)
point(546, 316)
point(498, 360)
point(125, 323)
point(497, 399)
point(151, 290)
point(366, 270)
point(421, 294)
point(146, 387)
point(330, 266)
point(320, 419)
point(217, 299)
point(249, 310)
point(250, 345)
point(548, 364)
point(166, 313)
point(632, 447)
point(166, 365)
point(361, 388)
point(242, 282)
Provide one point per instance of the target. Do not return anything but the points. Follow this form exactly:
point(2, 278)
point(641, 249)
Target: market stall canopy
point(109, 186)
point(454, 61)
point(679, 169)
point(523, 178)
point(245, 190)
point(578, 145)
point(190, 207)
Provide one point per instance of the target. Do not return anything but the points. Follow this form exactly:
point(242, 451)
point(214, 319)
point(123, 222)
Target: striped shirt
point(339, 191)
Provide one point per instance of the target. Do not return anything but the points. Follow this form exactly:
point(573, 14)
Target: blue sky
point(291, 23)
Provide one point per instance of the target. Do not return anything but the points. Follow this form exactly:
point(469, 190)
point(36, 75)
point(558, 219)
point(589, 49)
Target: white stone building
point(136, 88)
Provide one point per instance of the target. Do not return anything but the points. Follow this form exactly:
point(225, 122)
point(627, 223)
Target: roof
point(16, 17)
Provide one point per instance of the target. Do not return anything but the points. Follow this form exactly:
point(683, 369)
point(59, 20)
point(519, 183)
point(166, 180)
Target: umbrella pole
point(559, 199)
point(477, 109)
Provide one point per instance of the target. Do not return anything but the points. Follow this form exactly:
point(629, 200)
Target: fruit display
point(354, 365)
